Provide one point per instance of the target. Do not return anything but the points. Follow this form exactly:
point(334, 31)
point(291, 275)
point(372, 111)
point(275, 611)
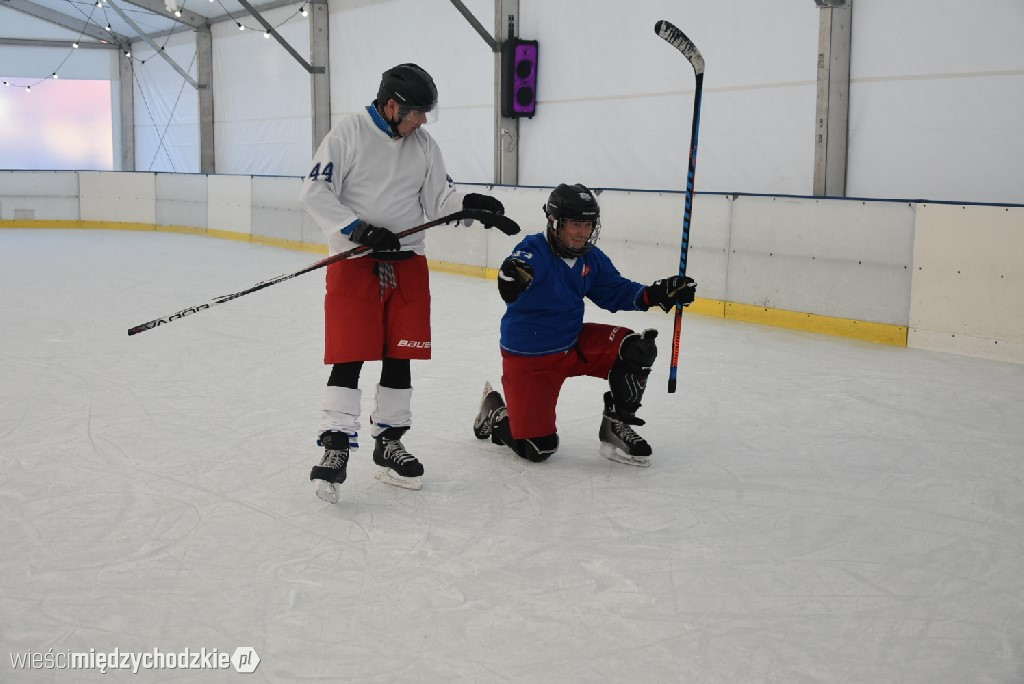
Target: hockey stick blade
point(678, 40)
point(487, 218)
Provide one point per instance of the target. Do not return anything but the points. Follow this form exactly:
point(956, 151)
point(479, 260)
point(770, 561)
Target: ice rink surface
point(817, 510)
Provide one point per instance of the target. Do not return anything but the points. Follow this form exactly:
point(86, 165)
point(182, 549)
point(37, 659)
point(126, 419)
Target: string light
point(127, 53)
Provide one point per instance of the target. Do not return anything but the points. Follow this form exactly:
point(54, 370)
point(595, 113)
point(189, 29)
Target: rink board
point(875, 270)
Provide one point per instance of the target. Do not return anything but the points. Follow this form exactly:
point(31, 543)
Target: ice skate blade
point(328, 491)
point(613, 454)
point(388, 476)
point(477, 423)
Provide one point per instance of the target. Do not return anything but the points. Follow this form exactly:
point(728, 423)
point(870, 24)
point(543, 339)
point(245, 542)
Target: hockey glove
point(670, 291)
point(385, 244)
point(484, 202)
point(514, 276)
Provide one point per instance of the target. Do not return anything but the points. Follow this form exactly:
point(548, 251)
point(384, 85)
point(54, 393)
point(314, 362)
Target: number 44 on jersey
point(327, 172)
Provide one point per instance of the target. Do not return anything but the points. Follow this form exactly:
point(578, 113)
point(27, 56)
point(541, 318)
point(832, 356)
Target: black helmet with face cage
point(574, 202)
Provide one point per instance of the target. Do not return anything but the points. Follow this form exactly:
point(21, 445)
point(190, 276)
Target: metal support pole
point(204, 70)
point(319, 53)
point(126, 77)
point(506, 130)
point(833, 99)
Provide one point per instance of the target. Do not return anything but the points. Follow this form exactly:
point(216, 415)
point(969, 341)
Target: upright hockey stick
point(488, 219)
point(679, 41)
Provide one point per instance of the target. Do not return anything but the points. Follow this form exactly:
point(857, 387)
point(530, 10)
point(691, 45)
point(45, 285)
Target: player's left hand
point(670, 291)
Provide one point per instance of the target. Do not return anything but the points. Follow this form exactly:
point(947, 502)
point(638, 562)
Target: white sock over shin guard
point(340, 413)
point(393, 409)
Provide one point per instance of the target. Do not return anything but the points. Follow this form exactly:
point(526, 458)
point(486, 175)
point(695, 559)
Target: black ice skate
point(397, 466)
point(492, 410)
point(618, 441)
point(332, 470)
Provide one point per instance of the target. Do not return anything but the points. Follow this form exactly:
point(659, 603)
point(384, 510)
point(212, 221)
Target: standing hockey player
point(375, 174)
point(544, 339)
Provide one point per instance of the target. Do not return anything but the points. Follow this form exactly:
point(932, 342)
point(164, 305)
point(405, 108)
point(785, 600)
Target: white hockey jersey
point(361, 173)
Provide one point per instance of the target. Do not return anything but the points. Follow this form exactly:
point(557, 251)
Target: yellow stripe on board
point(794, 320)
point(296, 245)
point(82, 225)
point(882, 333)
point(463, 269)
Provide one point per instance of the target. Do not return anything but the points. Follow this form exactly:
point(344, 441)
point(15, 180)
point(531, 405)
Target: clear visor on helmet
point(425, 115)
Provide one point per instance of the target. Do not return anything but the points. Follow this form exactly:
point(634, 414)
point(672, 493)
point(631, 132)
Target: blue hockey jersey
point(548, 316)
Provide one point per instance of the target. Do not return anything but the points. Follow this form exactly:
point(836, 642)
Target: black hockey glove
point(485, 202)
point(670, 291)
point(514, 276)
point(385, 244)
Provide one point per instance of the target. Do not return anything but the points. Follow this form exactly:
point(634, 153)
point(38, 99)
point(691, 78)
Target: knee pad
point(537, 449)
point(638, 351)
point(628, 377)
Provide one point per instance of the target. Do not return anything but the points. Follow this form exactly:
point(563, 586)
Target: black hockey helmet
point(573, 202)
point(411, 87)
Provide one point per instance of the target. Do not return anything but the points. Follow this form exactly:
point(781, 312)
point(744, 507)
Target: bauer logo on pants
point(415, 344)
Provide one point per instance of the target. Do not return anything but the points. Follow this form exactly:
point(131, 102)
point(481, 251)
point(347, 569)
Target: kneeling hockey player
point(544, 339)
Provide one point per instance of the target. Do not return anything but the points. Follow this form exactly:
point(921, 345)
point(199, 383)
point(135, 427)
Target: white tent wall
point(615, 101)
point(936, 95)
point(166, 106)
point(369, 37)
point(933, 111)
point(262, 100)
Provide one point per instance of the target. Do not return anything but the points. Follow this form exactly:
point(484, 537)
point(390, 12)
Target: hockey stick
point(488, 219)
point(679, 41)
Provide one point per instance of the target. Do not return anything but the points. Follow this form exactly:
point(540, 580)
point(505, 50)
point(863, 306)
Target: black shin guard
point(628, 377)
